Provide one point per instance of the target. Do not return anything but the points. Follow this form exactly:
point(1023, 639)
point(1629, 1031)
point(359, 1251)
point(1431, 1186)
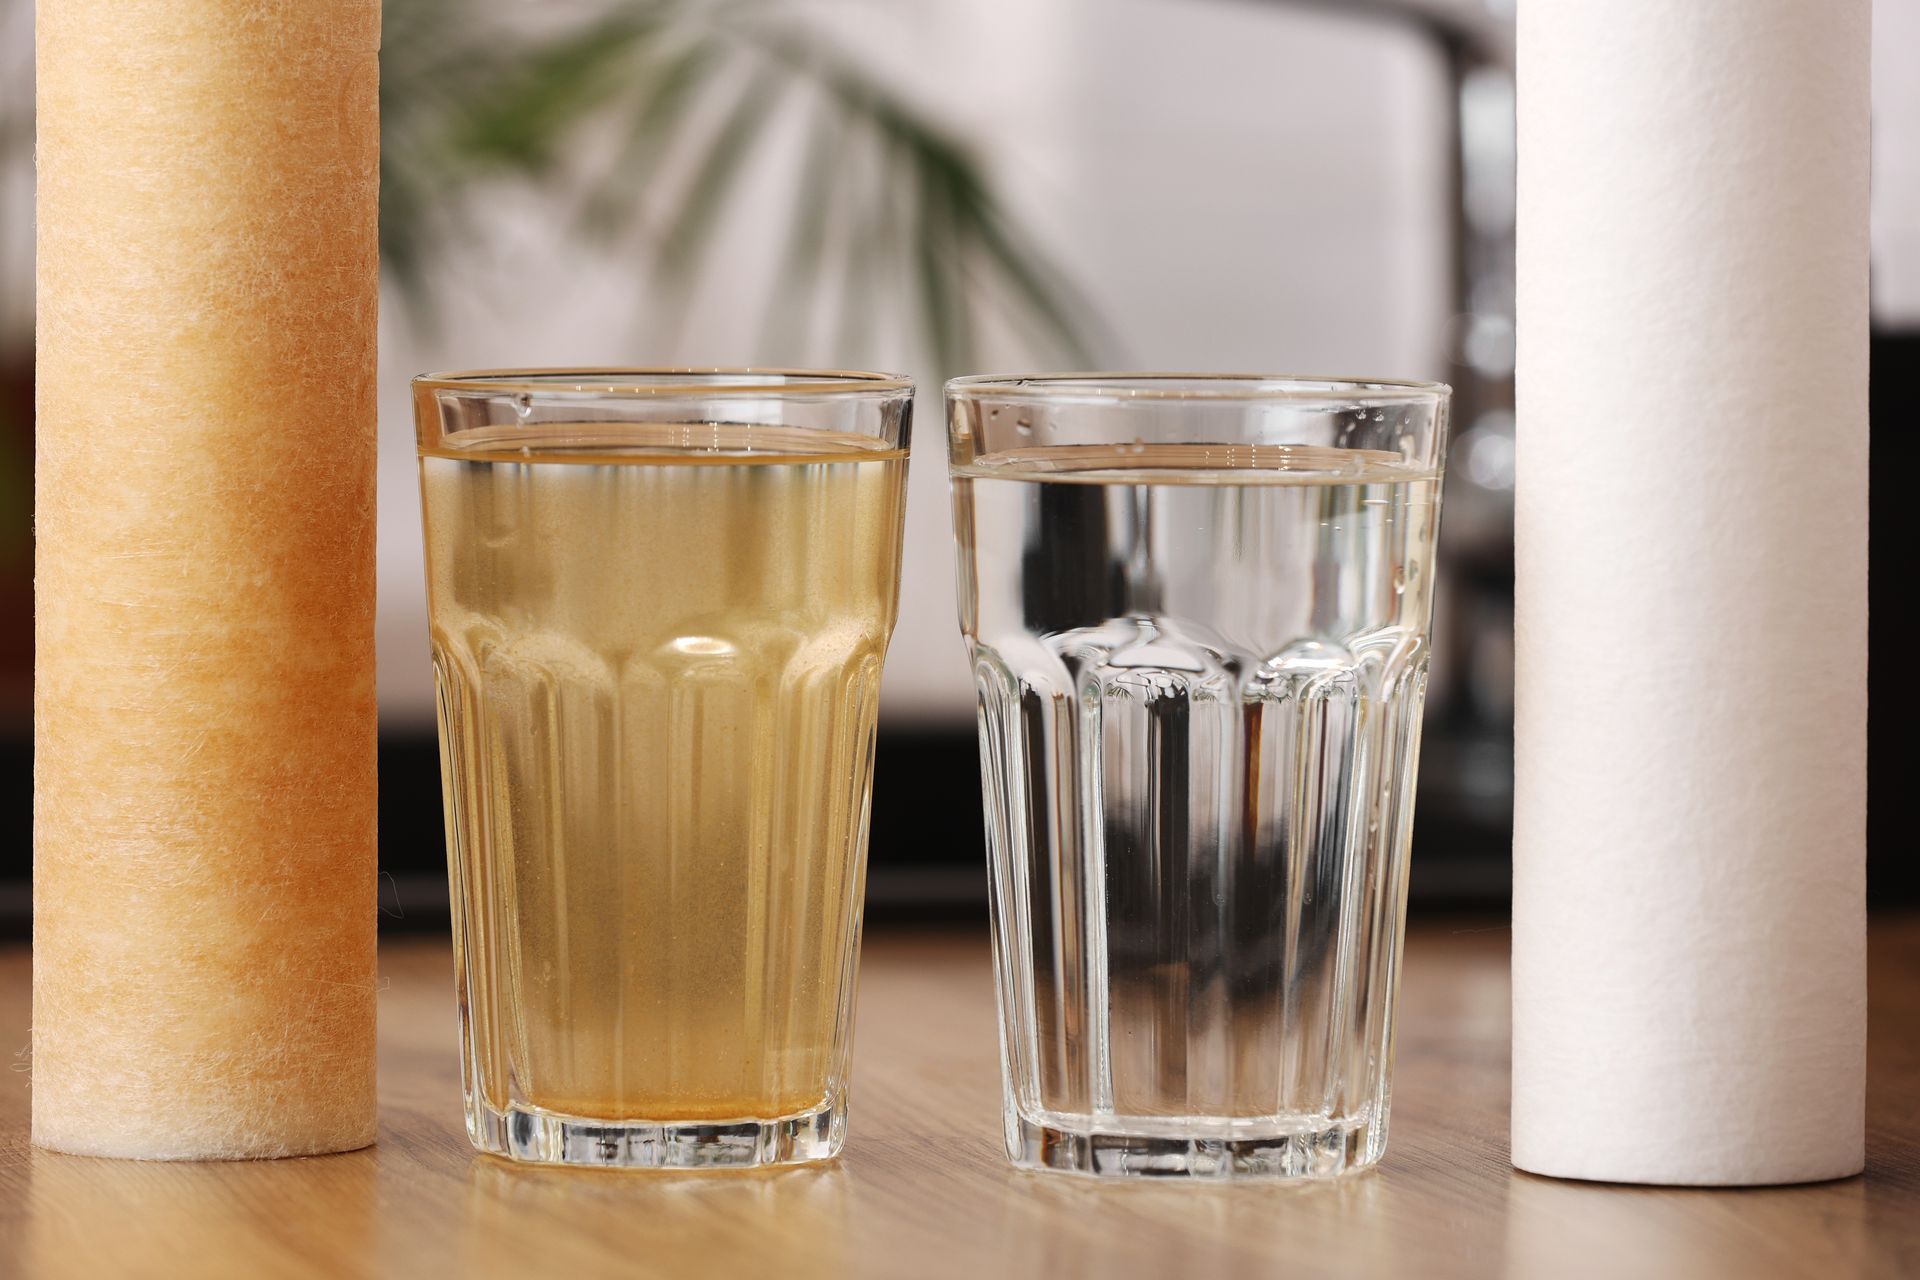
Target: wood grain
point(923, 1190)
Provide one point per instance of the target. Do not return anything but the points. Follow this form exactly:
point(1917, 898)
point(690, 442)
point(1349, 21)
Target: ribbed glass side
point(676, 948)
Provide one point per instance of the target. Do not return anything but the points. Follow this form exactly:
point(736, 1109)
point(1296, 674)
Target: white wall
point(16, 170)
point(1896, 163)
point(1236, 186)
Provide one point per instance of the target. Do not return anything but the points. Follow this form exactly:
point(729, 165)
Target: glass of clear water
point(1198, 611)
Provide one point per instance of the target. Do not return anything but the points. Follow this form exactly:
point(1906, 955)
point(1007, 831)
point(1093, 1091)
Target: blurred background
point(937, 187)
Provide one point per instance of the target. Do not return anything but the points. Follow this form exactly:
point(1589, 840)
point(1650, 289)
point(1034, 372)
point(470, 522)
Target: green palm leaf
point(889, 211)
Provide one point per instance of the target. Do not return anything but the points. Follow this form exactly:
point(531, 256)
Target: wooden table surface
point(922, 1189)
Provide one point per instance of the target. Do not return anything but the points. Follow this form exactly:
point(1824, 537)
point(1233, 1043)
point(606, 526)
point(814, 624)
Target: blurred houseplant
point(654, 118)
point(649, 117)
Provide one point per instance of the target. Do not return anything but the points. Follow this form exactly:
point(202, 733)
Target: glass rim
point(668, 382)
point(1123, 387)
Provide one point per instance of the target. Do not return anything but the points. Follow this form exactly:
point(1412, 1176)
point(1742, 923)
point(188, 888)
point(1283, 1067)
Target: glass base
point(533, 1136)
point(1328, 1151)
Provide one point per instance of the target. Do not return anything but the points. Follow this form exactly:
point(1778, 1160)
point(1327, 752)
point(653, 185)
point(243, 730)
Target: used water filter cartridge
point(204, 782)
point(1689, 999)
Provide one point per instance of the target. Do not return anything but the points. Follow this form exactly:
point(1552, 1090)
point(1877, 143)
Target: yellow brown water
point(658, 656)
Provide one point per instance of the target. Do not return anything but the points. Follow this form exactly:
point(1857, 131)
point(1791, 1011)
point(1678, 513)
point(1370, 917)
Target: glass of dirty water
point(659, 601)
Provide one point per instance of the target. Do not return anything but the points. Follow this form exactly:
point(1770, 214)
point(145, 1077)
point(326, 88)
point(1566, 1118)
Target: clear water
point(1199, 688)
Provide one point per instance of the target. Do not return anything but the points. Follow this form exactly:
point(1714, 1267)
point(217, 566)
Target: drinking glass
point(659, 603)
point(1197, 608)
